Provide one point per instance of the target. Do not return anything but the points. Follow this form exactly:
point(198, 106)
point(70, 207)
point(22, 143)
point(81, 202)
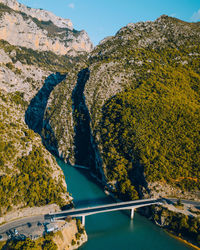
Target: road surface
point(189, 202)
point(26, 227)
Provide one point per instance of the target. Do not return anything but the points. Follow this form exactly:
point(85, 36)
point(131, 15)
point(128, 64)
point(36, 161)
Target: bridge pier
point(83, 220)
point(132, 213)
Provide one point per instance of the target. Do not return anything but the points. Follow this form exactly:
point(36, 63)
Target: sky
point(102, 18)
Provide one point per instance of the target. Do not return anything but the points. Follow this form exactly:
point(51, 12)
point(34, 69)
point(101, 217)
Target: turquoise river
point(114, 230)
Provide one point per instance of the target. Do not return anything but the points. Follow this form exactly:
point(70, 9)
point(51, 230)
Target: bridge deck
point(106, 208)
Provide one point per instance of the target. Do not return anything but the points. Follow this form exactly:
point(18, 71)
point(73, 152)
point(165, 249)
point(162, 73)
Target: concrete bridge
point(82, 212)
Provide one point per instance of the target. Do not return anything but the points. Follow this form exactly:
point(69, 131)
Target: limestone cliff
point(40, 14)
point(40, 30)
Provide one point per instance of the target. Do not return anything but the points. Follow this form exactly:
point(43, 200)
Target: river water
point(114, 230)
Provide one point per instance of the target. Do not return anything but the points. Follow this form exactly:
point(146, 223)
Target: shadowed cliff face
point(35, 113)
point(81, 119)
point(34, 116)
point(86, 151)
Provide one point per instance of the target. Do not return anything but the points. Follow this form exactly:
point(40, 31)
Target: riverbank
point(181, 225)
point(192, 245)
point(185, 210)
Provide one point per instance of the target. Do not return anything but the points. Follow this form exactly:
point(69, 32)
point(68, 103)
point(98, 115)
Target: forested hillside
point(143, 98)
point(154, 128)
point(29, 174)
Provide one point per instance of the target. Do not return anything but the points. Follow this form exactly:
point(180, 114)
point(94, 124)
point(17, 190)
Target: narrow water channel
point(114, 230)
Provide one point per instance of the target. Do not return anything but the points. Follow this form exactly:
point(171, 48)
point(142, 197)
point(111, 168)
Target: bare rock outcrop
point(69, 237)
point(40, 30)
point(40, 14)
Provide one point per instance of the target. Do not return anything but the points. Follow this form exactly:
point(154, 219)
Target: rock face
point(40, 14)
point(69, 234)
point(40, 30)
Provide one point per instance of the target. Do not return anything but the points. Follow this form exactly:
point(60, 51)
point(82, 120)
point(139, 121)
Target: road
point(194, 203)
point(27, 226)
point(34, 225)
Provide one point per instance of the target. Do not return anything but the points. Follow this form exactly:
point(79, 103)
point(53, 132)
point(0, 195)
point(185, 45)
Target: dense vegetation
point(154, 126)
point(134, 54)
point(33, 185)
point(45, 243)
point(26, 177)
point(143, 97)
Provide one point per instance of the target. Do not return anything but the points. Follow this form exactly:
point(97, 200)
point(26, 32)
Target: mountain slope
point(142, 94)
point(29, 174)
point(40, 14)
point(24, 160)
point(148, 132)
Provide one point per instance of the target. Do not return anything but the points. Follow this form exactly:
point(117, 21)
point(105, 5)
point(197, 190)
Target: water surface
point(114, 230)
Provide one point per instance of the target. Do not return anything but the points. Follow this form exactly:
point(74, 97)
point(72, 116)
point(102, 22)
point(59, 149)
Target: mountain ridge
point(42, 15)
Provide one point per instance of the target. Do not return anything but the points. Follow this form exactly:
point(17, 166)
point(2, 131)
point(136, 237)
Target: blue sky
point(103, 18)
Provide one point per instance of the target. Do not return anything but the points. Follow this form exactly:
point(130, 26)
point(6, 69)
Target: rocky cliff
point(40, 14)
point(40, 30)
